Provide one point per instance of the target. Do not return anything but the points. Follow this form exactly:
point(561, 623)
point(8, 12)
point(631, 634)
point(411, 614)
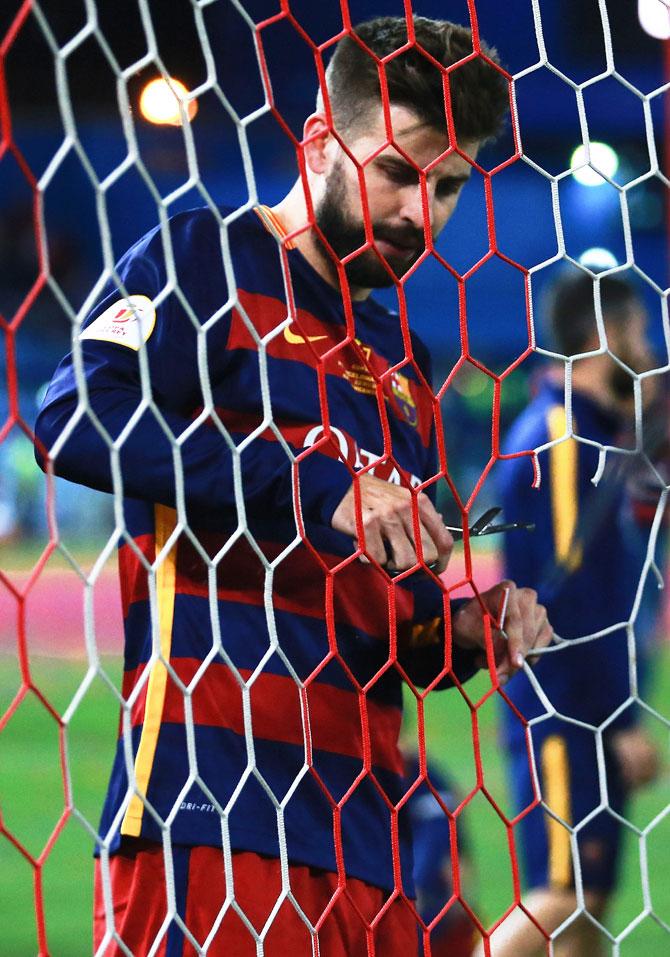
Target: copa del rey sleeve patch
point(129, 322)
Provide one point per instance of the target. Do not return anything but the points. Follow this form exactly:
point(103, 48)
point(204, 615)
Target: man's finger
point(400, 545)
point(533, 630)
point(373, 544)
point(544, 637)
point(428, 547)
point(434, 525)
point(512, 622)
point(543, 630)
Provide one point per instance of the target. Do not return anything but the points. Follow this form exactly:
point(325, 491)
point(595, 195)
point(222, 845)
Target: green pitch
point(32, 802)
point(449, 743)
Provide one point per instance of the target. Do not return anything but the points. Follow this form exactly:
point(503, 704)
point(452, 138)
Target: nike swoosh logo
point(295, 340)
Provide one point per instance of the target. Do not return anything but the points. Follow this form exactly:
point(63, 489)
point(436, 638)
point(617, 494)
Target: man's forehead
point(637, 320)
point(631, 327)
point(420, 141)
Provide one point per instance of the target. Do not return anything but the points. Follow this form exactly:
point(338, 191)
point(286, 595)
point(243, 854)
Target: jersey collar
point(274, 225)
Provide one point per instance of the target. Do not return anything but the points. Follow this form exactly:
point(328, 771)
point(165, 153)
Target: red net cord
point(380, 380)
point(466, 356)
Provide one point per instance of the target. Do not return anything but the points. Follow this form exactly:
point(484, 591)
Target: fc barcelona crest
point(402, 394)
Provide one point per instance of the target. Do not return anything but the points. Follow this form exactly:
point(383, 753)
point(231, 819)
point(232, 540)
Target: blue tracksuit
point(585, 572)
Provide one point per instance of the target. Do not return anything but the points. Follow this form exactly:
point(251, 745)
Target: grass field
point(446, 717)
point(31, 798)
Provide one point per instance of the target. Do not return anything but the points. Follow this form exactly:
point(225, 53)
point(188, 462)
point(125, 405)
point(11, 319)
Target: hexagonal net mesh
point(267, 654)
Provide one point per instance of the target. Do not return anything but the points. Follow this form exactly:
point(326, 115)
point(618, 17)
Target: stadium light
point(159, 102)
point(597, 258)
point(654, 18)
point(601, 155)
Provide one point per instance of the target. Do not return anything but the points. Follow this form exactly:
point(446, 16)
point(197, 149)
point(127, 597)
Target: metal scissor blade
point(508, 527)
point(477, 528)
point(485, 520)
point(484, 526)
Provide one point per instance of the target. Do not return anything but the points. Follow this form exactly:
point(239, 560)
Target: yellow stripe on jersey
point(556, 794)
point(273, 224)
point(165, 521)
point(427, 633)
point(564, 479)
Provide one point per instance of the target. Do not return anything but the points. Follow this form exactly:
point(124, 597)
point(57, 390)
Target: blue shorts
point(567, 768)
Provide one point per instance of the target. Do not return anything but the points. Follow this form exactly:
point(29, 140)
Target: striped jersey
point(264, 662)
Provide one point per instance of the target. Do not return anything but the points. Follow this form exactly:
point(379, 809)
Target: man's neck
point(588, 379)
point(292, 213)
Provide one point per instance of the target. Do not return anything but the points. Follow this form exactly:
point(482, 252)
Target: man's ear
point(316, 136)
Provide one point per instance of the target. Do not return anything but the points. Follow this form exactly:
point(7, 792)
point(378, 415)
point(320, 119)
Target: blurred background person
point(586, 571)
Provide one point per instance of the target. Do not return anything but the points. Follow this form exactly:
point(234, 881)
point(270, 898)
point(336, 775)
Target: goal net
point(256, 704)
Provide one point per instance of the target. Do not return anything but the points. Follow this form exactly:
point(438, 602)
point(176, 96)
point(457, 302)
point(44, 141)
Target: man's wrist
point(323, 482)
point(460, 637)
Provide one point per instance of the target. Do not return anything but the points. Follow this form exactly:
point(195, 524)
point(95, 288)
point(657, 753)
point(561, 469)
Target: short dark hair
point(572, 311)
point(479, 92)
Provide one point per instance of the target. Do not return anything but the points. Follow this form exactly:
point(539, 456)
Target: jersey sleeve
point(430, 653)
point(139, 373)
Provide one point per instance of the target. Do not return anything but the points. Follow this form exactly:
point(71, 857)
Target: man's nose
point(412, 210)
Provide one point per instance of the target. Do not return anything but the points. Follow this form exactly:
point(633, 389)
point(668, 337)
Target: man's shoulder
point(183, 233)
point(206, 251)
point(530, 429)
point(528, 432)
point(235, 231)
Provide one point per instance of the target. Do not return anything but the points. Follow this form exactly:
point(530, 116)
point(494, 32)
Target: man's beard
point(621, 383)
point(345, 235)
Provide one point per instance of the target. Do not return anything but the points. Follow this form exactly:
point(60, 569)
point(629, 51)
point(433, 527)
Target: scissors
point(483, 526)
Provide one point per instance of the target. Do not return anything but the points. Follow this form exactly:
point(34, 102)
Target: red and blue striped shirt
point(264, 662)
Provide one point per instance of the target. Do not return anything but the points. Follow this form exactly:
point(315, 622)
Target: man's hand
point(388, 525)
point(525, 624)
point(636, 755)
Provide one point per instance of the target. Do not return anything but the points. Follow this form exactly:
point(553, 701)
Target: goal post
point(214, 504)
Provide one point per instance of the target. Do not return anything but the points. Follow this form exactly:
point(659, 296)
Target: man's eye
point(401, 176)
point(448, 188)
